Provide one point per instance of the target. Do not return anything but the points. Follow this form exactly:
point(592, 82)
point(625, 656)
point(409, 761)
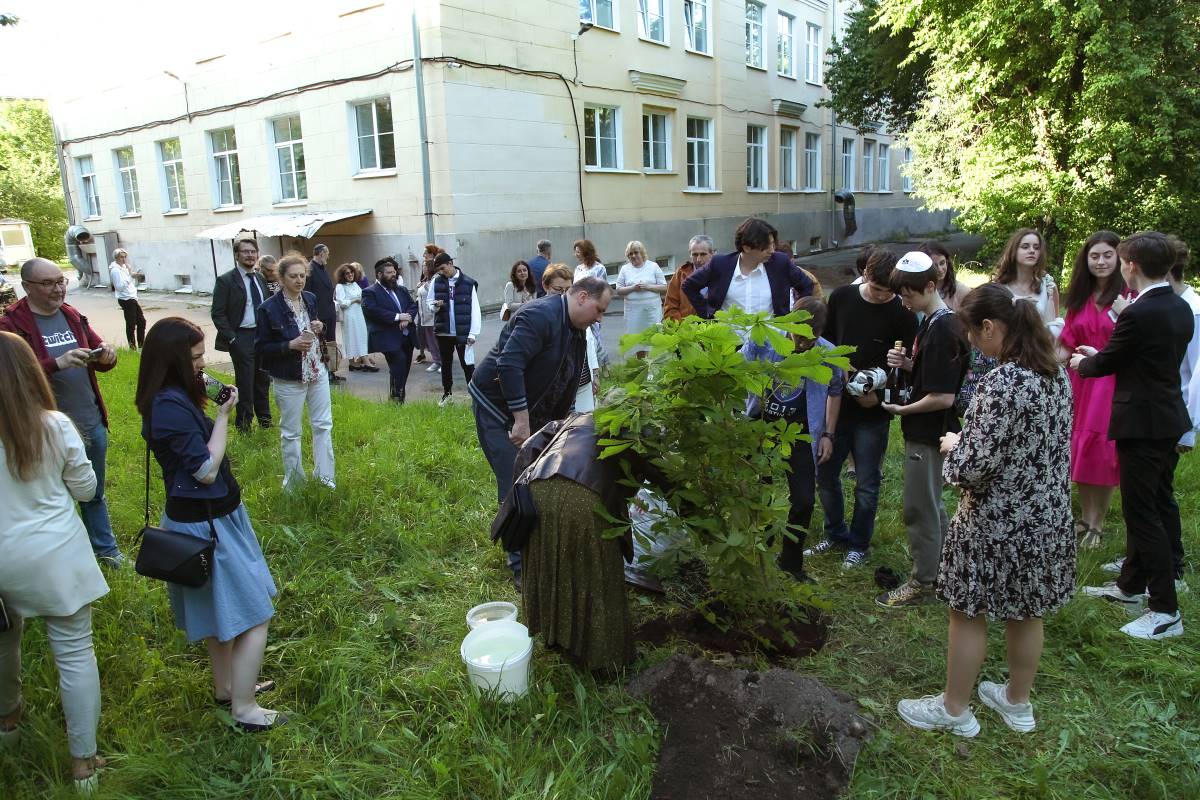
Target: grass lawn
point(375, 579)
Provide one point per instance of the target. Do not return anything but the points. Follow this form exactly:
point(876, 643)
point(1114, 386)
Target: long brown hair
point(1027, 341)
point(167, 361)
point(1084, 284)
point(24, 401)
point(933, 249)
point(530, 284)
point(587, 250)
point(1006, 266)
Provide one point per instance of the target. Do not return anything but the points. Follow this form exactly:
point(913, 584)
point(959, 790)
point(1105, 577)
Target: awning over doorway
point(302, 225)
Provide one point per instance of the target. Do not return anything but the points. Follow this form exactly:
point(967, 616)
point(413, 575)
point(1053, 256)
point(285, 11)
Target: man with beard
point(391, 326)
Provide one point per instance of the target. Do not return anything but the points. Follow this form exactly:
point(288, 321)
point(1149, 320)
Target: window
point(226, 173)
point(652, 20)
point(756, 157)
point(787, 158)
point(598, 12)
point(754, 35)
point(171, 157)
point(127, 177)
point(89, 194)
point(868, 163)
point(787, 45)
point(812, 161)
point(601, 147)
point(906, 182)
point(656, 141)
point(884, 184)
point(375, 140)
point(812, 53)
point(289, 158)
point(695, 21)
point(847, 163)
point(699, 153)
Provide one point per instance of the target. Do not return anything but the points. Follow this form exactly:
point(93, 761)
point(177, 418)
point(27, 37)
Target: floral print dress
point(1010, 549)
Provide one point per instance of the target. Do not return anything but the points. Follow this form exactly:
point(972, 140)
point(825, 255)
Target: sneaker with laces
point(1155, 625)
point(823, 546)
point(854, 558)
point(1132, 603)
point(910, 593)
point(1018, 716)
point(432, 368)
point(445, 399)
point(930, 714)
point(1114, 566)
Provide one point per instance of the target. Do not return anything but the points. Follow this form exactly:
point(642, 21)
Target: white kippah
point(914, 261)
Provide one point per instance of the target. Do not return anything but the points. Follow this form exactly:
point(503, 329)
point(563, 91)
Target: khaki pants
point(925, 518)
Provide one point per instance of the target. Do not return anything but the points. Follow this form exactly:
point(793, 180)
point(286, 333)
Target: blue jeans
point(95, 511)
point(500, 453)
point(867, 441)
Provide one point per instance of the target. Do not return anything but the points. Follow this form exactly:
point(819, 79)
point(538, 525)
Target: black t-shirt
point(874, 328)
point(940, 360)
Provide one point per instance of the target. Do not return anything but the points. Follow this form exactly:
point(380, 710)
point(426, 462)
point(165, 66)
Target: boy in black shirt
point(937, 368)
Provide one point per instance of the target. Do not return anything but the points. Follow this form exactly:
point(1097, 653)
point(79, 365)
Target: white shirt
point(595, 270)
point(1189, 368)
point(751, 293)
point(1149, 288)
point(248, 319)
point(648, 273)
point(476, 313)
point(122, 281)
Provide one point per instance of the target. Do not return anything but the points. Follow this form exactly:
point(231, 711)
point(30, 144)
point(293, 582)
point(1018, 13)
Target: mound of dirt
point(733, 734)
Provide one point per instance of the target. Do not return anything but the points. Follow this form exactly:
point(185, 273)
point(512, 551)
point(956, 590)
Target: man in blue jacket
point(391, 327)
point(755, 277)
point(531, 376)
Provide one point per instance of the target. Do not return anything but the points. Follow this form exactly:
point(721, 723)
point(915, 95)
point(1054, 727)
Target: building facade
point(610, 120)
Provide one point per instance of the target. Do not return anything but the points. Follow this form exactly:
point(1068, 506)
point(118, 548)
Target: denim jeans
point(867, 441)
point(95, 511)
point(500, 453)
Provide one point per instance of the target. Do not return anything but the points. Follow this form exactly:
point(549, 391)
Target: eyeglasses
point(48, 284)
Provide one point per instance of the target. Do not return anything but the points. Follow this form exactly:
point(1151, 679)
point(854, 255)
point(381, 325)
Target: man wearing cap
point(457, 320)
point(391, 330)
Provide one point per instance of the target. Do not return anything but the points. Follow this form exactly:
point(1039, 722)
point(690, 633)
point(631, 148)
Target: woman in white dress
point(642, 285)
point(1022, 270)
point(347, 294)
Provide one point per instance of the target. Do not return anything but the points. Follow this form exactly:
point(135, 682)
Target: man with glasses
point(676, 306)
point(71, 354)
point(236, 297)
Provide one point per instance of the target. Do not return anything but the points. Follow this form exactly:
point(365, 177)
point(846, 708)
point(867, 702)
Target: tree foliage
point(1068, 116)
point(30, 188)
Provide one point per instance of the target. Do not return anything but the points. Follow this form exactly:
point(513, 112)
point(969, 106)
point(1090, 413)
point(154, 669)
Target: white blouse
point(648, 273)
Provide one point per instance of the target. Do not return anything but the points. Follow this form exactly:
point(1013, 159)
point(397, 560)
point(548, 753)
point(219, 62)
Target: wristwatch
point(827, 435)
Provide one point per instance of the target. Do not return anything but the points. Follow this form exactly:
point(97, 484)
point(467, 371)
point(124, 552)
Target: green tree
point(30, 187)
point(1067, 116)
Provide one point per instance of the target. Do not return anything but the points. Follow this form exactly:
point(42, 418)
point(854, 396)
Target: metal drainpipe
point(420, 84)
point(833, 145)
point(62, 171)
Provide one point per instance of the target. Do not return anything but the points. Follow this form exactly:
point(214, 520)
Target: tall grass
point(375, 579)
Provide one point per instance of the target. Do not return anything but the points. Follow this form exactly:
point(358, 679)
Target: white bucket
point(497, 611)
point(497, 658)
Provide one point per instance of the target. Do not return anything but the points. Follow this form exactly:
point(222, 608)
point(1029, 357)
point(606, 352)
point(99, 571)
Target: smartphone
point(217, 392)
point(95, 354)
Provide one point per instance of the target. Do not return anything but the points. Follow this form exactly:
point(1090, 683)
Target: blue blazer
point(782, 274)
point(383, 332)
point(277, 326)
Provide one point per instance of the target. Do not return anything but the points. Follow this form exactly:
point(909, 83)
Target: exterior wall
point(505, 145)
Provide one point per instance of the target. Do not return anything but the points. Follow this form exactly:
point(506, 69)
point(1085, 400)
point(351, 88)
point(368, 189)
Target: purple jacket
point(782, 274)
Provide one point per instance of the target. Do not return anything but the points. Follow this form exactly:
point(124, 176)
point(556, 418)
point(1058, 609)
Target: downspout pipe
point(833, 148)
point(419, 80)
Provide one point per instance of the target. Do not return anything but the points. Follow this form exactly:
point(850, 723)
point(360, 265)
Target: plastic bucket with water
point(497, 611)
point(497, 657)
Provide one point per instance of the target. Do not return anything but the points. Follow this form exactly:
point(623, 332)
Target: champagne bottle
point(896, 389)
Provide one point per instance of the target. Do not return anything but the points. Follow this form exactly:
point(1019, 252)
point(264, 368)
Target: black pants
point(446, 347)
point(135, 322)
point(253, 383)
point(802, 491)
point(1151, 520)
point(398, 362)
point(1171, 519)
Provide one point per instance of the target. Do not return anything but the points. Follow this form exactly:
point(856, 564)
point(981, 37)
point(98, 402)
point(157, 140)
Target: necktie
point(255, 292)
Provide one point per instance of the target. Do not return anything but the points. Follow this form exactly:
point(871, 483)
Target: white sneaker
point(1155, 625)
point(929, 714)
point(1018, 716)
point(1114, 566)
point(432, 368)
point(854, 558)
point(445, 399)
point(823, 546)
point(1132, 603)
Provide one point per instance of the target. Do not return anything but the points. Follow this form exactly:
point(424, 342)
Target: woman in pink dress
point(1095, 296)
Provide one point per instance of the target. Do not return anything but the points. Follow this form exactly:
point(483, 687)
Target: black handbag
point(516, 519)
point(172, 556)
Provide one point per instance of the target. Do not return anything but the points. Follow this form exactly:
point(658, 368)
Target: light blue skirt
point(238, 595)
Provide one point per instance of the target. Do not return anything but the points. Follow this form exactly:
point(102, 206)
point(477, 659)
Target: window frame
point(883, 165)
point(757, 159)
point(597, 138)
point(291, 144)
point(751, 25)
point(788, 162)
point(849, 167)
point(691, 27)
point(614, 11)
point(813, 72)
point(172, 168)
point(785, 32)
point(648, 145)
point(868, 165)
point(643, 13)
point(375, 136)
point(906, 182)
point(89, 191)
point(127, 183)
point(812, 162)
point(694, 145)
point(232, 163)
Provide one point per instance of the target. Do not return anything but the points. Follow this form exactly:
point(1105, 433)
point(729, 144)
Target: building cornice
point(650, 83)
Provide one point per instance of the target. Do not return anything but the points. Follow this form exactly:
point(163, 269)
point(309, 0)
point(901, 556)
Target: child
point(937, 368)
point(814, 407)
point(1148, 418)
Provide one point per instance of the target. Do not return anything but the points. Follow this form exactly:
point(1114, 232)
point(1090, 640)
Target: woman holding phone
point(289, 341)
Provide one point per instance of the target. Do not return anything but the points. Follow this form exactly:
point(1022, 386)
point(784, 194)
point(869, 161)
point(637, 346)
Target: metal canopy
point(302, 225)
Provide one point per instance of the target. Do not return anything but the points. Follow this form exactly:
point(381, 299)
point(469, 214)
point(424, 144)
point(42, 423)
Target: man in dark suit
point(391, 326)
point(236, 296)
point(1148, 417)
point(321, 286)
point(754, 278)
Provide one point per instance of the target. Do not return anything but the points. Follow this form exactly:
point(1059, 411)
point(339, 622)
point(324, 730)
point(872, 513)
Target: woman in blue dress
point(231, 612)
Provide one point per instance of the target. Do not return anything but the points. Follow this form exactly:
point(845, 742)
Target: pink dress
point(1093, 456)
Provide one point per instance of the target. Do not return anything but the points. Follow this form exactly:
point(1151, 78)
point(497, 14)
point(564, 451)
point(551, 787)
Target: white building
point(665, 119)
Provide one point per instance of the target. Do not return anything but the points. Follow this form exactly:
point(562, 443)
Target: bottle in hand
point(896, 391)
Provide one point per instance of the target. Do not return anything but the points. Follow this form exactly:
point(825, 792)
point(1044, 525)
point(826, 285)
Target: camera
point(866, 381)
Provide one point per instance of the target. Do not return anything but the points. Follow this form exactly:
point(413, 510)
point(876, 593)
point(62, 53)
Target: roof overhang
point(302, 225)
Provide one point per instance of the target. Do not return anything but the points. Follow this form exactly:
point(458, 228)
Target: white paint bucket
point(497, 611)
point(497, 657)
